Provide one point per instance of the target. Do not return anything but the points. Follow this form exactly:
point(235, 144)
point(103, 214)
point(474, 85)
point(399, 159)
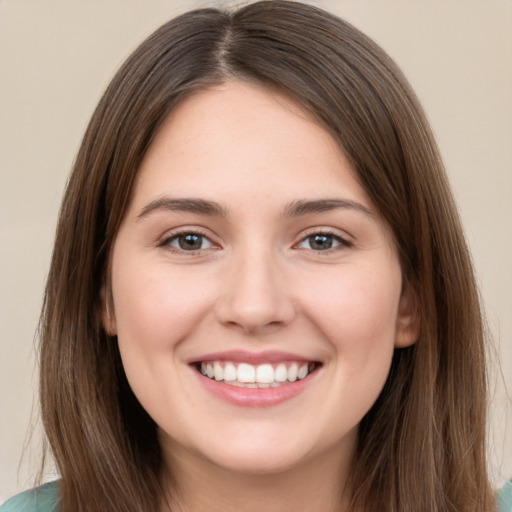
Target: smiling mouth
point(256, 376)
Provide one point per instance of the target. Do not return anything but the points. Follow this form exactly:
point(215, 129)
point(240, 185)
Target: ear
point(408, 319)
point(108, 318)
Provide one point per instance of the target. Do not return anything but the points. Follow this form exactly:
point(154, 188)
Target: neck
point(319, 483)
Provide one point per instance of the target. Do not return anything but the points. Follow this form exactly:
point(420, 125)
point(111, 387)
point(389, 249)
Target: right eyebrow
point(190, 205)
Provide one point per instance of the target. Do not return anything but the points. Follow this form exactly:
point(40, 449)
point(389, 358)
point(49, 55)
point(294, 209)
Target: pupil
point(320, 242)
point(190, 242)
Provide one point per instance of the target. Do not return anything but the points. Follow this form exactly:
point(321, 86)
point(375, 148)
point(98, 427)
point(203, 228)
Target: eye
point(188, 241)
point(323, 242)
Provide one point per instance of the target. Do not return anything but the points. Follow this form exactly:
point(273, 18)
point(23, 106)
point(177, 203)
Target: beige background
point(56, 57)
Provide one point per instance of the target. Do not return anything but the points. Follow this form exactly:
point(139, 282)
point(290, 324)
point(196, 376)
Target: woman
point(260, 297)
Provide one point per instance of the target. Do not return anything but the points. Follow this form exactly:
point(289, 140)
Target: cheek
point(358, 319)
point(155, 308)
point(356, 309)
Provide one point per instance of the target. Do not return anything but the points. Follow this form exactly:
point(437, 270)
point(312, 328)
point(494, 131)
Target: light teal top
point(44, 499)
point(504, 498)
point(41, 499)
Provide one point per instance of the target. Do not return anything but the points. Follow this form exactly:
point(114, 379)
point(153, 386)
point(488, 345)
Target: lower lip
point(256, 397)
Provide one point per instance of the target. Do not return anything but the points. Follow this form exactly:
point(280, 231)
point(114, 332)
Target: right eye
point(188, 242)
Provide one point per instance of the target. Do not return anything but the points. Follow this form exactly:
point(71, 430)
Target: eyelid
point(345, 241)
point(164, 241)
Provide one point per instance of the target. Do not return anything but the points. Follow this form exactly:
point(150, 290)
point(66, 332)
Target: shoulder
point(45, 498)
point(40, 499)
point(504, 498)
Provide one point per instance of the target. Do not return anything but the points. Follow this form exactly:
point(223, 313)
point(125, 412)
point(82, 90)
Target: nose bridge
point(254, 296)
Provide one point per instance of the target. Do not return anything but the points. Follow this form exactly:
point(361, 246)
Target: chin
point(258, 462)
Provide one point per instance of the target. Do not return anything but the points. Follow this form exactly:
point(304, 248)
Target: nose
point(254, 297)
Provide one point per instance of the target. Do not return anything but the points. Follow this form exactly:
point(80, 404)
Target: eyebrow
point(296, 208)
point(190, 205)
point(306, 207)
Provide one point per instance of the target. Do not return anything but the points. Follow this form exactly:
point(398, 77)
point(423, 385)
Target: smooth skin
point(214, 254)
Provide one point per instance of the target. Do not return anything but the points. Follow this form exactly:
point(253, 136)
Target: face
point(256, 293)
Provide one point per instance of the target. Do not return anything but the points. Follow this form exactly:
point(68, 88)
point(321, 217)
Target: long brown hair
point(422, 445)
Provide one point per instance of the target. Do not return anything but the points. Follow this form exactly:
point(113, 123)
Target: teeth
point(292, 372)
point(281, 373)
point(229, 372)
point(265, 374)
point(303, 371)
point(218, 372)
point(246, 373)
point(260, 376)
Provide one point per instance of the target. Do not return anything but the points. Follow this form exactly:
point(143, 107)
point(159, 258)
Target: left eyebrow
point(306, 207)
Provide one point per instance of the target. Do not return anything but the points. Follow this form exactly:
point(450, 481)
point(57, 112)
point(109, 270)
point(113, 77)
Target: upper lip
point(255, 358)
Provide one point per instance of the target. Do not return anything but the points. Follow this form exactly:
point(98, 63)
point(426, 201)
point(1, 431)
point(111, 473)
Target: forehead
point(243, 136)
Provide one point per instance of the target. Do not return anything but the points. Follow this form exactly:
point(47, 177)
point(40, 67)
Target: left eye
point(189, 242)
point(322, 242)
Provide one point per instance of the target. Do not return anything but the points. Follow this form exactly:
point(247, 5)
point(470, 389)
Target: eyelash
point(341, 242)
point(166, 242)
